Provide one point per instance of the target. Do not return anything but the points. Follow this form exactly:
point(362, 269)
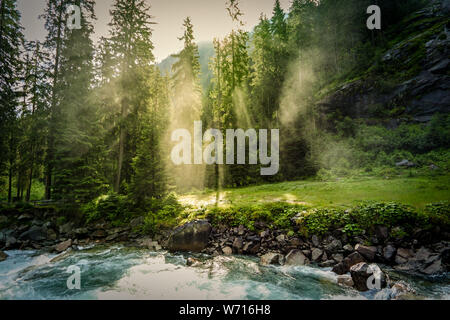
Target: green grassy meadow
point(414, 191)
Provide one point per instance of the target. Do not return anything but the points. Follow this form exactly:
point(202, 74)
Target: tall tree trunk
point(51, 142)
point(121, 152)
point(30, 182)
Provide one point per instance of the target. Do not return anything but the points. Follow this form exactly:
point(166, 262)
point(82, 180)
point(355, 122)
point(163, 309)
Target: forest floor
point(414, 191)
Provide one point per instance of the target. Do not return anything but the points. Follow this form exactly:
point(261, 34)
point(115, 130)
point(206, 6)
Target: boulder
point(63, 246)
point(327, 264)
point(192, 262)
point(66, 228)
point(315, 241)
point(434, 268)
point(316, 254)
point(99, 233)
point(367, 252)
point(296, 258)
point(35, 233)
point(348, 248)
point(3, 256)
point(334, 245)
point(345, 280)
point(337, 257)
point(192, 236)
point(403, 255)
point(389, 252)
point(367, 277)
point(81, 232)
point(405, 163)
point(251, 247)
point(238, 244)
point(227, 251)
point(281, 238)
point(423, 254)
point(344, 266)
point(401, 290)
point(272, 258)
point(295, 242)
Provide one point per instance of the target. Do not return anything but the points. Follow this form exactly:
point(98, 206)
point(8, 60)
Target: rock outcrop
point(366, 277)
point(192, 236)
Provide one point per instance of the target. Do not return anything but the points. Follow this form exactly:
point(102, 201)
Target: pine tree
point(75, 173)
point(149, 180)
point(55, 25)
point(36, 98)
point(132, 47)
point(11, 38)
point(186, 102)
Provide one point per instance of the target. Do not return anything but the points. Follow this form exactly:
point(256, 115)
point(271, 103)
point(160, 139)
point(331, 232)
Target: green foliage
point(320, 221)
point(388, 214)
point(162, 214)
point(276, 215)
point(438, 214)
point(358, 220)
point(111, 207)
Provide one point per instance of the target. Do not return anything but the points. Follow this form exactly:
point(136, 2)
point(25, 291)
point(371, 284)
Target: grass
point(414, 191)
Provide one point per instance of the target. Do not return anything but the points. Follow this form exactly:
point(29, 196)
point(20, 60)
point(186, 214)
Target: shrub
point(438, 214)
point(321, 221)
point(112, 207)
point(162, 213)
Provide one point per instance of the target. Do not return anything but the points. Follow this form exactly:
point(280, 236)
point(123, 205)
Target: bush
point(361, 219)
point(163, 213)
point(112, 207)
point(321, 221)
point(275, 215)
point(438, 214)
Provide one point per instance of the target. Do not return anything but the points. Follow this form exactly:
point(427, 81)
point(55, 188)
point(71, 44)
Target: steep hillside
point(409, 80)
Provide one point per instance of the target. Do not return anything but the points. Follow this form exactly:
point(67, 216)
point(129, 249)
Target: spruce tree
point(11, 38)
point(132, 47)
point(75, 173)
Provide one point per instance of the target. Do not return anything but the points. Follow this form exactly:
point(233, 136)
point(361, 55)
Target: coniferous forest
point(363, 117)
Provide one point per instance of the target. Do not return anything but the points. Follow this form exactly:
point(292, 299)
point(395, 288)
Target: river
point(120, 272)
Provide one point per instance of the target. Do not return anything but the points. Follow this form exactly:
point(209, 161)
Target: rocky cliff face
point(412, 78)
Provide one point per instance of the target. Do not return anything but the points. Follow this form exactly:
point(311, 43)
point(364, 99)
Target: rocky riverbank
point(350, 258)
point(354, 259)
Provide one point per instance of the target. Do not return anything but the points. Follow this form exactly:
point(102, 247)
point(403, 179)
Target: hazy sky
point(209, 17)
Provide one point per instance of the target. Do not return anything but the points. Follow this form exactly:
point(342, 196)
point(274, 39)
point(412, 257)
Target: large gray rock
point(316, 254)
point(227, 251)
point(3, 256)
point(35, 233)
point(403, 255)
point(272, 258)
point(344, 266)
point(67, 228)
point(251, 247)
point(296, 258)
point(192, 236)
point(434, 268)
point(389, 252)
point(334, 245)
point(367, 252)
point(345, 280)
point(401, 290)
point(367, 277)
point(63, 246)
point(238, 245)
